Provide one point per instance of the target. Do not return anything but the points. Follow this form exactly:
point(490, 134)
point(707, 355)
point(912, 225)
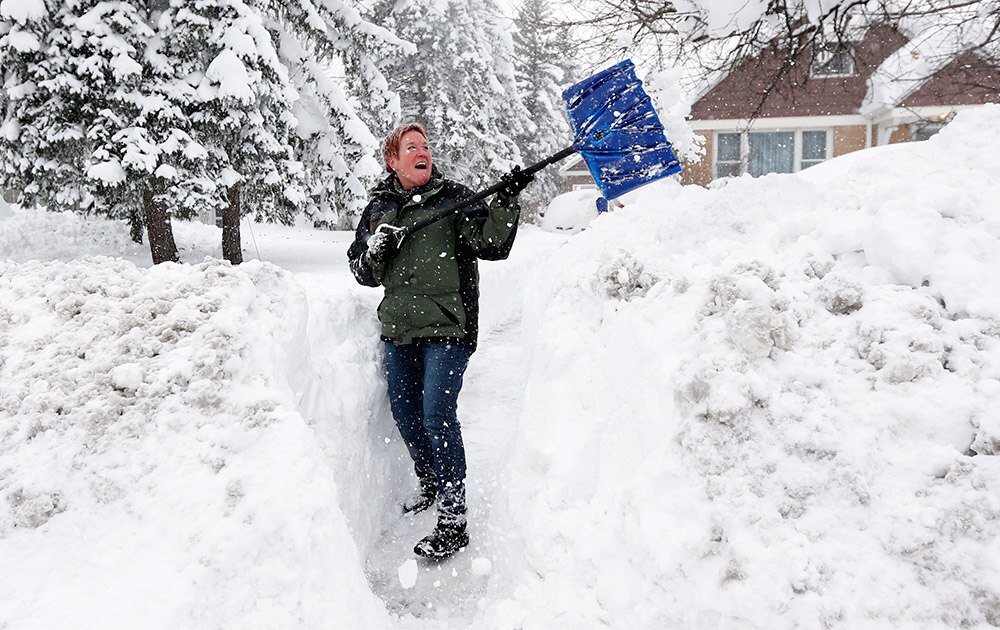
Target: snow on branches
point(179, 108)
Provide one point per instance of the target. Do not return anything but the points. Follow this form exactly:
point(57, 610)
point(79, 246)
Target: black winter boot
point(423, 500)
point(445, 540)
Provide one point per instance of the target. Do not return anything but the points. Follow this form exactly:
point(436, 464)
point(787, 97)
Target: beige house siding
point(701, 172)
point(848, 139)
point(573, 181)
point(900, 134)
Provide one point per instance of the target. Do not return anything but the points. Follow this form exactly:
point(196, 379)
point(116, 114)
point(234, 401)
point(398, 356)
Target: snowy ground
point(771, 404)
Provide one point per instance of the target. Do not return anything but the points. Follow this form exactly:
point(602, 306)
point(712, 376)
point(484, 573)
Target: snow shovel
point(615, 129)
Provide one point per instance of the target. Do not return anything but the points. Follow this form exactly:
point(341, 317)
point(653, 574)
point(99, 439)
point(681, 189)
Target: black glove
point(381, 248)
point(515, 181)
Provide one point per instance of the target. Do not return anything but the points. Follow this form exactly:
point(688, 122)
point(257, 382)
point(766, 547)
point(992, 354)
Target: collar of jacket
point(390, 188)
point(388, 197)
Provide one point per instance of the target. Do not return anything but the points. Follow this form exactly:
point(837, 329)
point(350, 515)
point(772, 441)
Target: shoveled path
point(447, 592)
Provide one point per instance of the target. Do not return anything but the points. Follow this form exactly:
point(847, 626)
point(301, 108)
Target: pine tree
point(154, 165)
point(337, 116)
point(82, 143)
point(44, 138)
point(166, 109)
point(541, 68)
point(113, 38)
point(460, 85)
point(242, 115)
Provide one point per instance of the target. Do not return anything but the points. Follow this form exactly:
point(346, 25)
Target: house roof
point(909, 67)
point(572, 165)
point(892, 65)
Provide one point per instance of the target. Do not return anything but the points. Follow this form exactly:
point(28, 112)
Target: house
point(575, 174)
point(882, 88)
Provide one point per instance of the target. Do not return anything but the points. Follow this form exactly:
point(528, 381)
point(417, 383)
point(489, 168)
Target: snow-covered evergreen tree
point(460, 84)
point(541, 68)
point(154, 164)
point(334, 56)
point(44, 131)
point(241, 114)
point(173, 106)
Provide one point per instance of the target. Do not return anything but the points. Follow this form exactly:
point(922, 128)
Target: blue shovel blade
point(617, 131)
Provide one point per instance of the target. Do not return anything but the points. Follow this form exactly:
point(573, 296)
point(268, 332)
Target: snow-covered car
point(571, 212)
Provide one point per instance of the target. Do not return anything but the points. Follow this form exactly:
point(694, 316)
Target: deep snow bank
point(770, 405)
point(155, 469)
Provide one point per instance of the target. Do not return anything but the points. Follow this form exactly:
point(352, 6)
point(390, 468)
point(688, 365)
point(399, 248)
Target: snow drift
point(770, 405)
point(155, 468)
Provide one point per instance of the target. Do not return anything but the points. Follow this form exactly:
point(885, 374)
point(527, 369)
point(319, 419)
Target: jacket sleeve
point(360, 267)
point(490, 230)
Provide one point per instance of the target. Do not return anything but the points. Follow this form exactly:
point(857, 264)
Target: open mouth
point(420, 166)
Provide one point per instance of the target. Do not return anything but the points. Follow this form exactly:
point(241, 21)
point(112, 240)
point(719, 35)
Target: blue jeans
point(424, 380)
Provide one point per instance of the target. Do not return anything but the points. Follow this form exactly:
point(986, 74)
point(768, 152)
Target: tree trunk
point(158, 228)
point(135, 224)
point(231, 246)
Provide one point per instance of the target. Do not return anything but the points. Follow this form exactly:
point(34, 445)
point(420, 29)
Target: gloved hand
point(381, 248)
point(515, 181)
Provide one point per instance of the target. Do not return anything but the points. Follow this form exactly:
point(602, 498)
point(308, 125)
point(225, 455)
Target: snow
point(125, 66)
point(23, 11)
point(826, 172)
point(228, 71)
point(408, 574)
point(572, 211)
point(902, 72)
point(482, 566)
point(11, 130)
point(770, 404)
point(110, 172)
point(22, 41)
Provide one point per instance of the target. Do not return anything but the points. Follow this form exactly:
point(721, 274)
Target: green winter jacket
point(432, 283)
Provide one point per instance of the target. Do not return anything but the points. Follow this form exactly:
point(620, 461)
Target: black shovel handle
point(402, 233)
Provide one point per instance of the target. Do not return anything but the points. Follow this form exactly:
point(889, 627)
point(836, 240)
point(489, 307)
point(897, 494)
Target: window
point(833, 60)
point(813, 148)
point(762, 152)
point(771, 152)
point(728, 161)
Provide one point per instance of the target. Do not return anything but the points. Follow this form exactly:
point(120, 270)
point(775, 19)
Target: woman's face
point(412, 163)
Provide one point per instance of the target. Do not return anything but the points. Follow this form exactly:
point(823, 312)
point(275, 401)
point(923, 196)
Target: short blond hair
point(390, 146)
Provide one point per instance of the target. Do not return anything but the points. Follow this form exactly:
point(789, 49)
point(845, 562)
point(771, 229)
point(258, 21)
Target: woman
point(429, 314)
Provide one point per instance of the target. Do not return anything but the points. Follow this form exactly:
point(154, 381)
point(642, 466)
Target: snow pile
point(769, 405)
point(27, 234)
point(155, 468)
point(571, 212)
